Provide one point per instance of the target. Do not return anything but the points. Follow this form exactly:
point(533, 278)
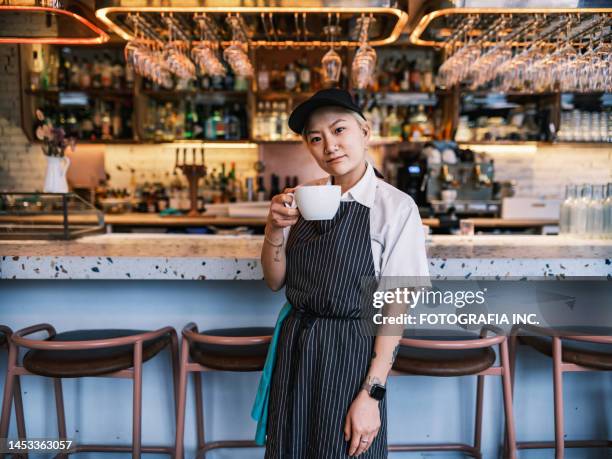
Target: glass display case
point(47, 216)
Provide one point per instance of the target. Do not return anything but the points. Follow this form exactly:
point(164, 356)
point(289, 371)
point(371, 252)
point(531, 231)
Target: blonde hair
point(363, 123)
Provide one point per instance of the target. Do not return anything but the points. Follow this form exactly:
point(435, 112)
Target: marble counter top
point(142, 256)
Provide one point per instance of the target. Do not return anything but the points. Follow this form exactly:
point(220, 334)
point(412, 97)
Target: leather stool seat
point(592, 355)
point(90, 362)
point(443, 362)
point(226, 357)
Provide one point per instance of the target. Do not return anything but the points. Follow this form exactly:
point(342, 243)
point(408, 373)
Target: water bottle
point(566, 209)
point(595, 217)
point(579, 212)
point(607, 209)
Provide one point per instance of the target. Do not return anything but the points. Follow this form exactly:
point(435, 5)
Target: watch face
point(377, 392)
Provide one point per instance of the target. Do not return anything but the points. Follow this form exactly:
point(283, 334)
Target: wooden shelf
point(97, 92)
point(181, 93)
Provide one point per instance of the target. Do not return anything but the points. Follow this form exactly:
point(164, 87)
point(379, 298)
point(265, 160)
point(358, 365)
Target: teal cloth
point(259, 412)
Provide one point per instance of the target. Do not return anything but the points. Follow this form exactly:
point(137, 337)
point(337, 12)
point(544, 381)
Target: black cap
point(323, 98)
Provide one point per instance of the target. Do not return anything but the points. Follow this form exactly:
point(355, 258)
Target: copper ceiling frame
point(101, 37)
point(103, 14)
point(415, 36)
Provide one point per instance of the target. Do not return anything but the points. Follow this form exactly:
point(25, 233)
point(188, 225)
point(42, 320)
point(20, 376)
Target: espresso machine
point(455, 180)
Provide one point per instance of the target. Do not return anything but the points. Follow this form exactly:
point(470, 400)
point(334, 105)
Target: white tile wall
point(22, 165)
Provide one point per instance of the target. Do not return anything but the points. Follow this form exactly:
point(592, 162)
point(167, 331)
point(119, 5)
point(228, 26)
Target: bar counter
point(178, 257)
point(112, 288)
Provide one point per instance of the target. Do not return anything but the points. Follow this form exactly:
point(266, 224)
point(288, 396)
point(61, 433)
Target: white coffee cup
point(318, 202)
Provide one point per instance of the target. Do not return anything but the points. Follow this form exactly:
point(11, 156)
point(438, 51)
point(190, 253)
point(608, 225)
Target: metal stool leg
point(197, 376)
point(137, 403)
point(21, 430)
point(61, 414)
point(478, 420)
point(558, 395)
point(182, 389)
point(174, 355)
point(7, 397)
point(507, 392)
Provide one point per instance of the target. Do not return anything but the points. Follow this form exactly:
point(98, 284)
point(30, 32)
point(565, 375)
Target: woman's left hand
point(362, 423)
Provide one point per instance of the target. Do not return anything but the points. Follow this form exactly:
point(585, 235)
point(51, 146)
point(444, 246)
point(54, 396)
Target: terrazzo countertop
point(142, 256)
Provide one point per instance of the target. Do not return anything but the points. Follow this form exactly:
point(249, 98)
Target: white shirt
point(396, 230)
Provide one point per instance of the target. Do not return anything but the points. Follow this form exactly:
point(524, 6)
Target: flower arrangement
point(54, 139)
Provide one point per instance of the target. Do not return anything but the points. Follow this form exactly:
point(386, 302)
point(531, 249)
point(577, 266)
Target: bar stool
point(5, 334)
point(82, 353)
point(582, 349)
point(459, 355)
point(230, 349)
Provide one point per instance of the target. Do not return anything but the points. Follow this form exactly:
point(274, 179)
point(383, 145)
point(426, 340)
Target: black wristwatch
point(376, 391)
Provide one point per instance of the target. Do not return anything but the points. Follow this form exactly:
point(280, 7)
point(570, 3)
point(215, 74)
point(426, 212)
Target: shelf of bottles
point(585, 118)
point(516, 117)
point(154, 193)
point(85, 90)
point(400, 102)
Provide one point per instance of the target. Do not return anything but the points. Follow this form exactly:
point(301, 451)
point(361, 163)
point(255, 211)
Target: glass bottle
point(595, 217)
point(579, 212)
point(607, 208)
point(263, 78)
point(290, 77)
point(565, 212)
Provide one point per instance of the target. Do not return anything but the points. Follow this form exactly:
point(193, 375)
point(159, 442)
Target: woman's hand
point(280, 216)
point(362, 423)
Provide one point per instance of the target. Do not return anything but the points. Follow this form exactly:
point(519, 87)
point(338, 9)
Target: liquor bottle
point(190, 121)
point(290, 78)
point(219, 124)
point(304, 75)
point(53, 67)
point(85, 75)
point(273, 131)
point(96, 72)
point(282, 120)
point(263, 78)
point(210, 129)
point(75, 74)
point(223, 180)
point(261, 188)
point(394, 126)
point(87, 127)
point(37, 70)
point(97, 119)
point(242, 121)
point(274, 186)
point(231, 183)
point(415, 77)
point(117, 123)
point(376, 121)
point(118, 74)
point(259, 129)
point(64, 72)
point(106, 124)
point(232, 125)
point(106, 72)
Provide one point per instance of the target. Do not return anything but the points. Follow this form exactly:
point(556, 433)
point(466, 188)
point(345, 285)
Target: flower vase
point(55, 179)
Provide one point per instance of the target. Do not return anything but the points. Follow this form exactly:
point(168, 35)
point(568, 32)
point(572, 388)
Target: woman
point(327, 390)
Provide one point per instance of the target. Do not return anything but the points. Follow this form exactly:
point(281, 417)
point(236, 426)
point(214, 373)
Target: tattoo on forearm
point(395, 351)
point(373, 380)
point(277, 254)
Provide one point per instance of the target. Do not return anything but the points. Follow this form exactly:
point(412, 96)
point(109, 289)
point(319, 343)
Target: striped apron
point(324, 350)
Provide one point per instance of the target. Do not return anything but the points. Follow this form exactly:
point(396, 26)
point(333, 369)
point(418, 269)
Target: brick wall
point(22, 165)
point(543, 171)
